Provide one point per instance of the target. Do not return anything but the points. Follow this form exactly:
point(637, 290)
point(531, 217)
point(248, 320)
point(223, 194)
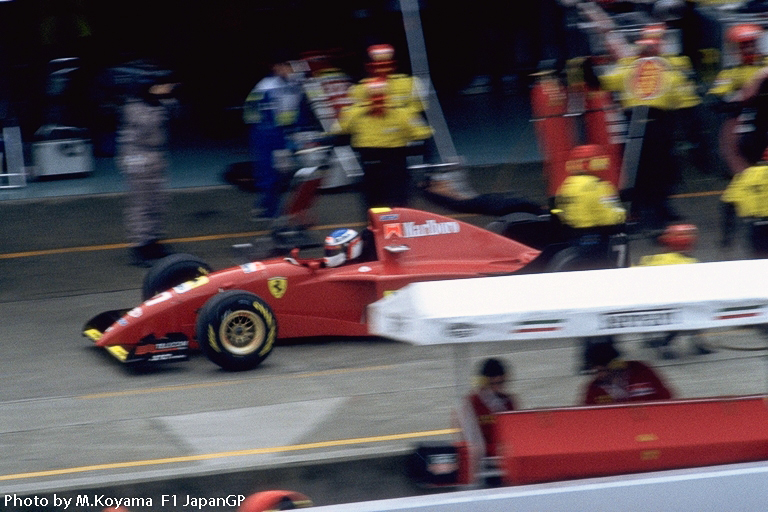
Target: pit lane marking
point(186, 387)
point(237, 453)
point(182, 240)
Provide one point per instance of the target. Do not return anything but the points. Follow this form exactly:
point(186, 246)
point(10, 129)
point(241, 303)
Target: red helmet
point(587, 159)
point(743, 33)
point(382, 59)
point(679, 237)
point(745, 36)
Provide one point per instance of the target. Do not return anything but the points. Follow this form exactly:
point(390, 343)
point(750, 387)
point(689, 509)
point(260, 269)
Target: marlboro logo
point(413, 230)
point(391, 230)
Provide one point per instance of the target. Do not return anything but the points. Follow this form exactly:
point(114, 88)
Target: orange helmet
point(587, 159)
point(679, 237)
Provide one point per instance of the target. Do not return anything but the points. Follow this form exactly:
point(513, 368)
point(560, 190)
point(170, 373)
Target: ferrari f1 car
point(235, 315)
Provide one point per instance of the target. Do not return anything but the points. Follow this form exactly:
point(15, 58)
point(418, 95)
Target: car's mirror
point(397, 249)
point(310, 263)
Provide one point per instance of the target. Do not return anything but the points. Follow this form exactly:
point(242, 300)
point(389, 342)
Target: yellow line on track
point(186, 387)
point(223, 455)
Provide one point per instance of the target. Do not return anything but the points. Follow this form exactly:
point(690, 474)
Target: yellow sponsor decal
point(646, 438)
point(93, 334)
point(648, 78)
point(212, 338)
point(118, 352)
point(271, 331)
point(190, 285)
point(277, 286)
point(381, 210)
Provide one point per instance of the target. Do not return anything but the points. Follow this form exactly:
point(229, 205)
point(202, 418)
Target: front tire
point(172, 271)
point(236, 330)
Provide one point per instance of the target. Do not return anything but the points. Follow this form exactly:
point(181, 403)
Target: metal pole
point(417, 52)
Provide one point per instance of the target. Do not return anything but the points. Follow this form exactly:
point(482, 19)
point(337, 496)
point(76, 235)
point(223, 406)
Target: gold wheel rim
point(242, 332)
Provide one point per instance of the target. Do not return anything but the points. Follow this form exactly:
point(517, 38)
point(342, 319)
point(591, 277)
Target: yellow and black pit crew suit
point(382, 142)
point(403, 91)
point(584, 201)
point(747, 197)
point(589, 209)
point(660, 84)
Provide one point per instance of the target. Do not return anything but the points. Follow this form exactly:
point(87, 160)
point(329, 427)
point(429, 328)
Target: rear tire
point(526, 228)
point(236, 330)
point(172, 271)
point(570, 259)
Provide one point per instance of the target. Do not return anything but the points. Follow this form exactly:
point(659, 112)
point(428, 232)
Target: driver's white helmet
point(341, 246)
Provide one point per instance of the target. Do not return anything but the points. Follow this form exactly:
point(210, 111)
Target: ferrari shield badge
point(647, 80)
point(277, 286)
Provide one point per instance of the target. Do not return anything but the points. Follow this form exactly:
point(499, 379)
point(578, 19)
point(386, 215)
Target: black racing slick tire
point(172, 271)
point(570, 259)
point(236, 330)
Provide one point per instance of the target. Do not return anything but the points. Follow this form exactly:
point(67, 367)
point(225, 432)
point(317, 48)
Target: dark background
point(220, 49)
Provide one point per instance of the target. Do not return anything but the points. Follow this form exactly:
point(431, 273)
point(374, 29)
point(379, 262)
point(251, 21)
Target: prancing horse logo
point(277, 286)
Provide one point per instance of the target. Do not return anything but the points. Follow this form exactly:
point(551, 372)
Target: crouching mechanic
point(747, 197)
point(680, 240)
point(589, 206)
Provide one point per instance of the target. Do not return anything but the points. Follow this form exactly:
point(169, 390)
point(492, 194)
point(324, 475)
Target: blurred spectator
point(747, 197)
point(380, 133)
point(680, 240)
point(141, 158)
point(273, 111)
point(654, 88)
point(619, 380)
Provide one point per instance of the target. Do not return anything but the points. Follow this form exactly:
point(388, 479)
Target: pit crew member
point(680, 240)
point(619, 380)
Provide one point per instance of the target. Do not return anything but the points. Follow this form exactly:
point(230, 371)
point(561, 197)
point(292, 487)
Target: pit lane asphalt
point(71, 418)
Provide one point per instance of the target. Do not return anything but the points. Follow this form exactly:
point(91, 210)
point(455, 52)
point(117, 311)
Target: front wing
point(148, 351)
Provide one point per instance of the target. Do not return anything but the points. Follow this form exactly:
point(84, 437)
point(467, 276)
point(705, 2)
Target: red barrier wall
point(561, 444)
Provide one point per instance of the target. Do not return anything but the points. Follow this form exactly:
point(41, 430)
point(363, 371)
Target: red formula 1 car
point(236, 315)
